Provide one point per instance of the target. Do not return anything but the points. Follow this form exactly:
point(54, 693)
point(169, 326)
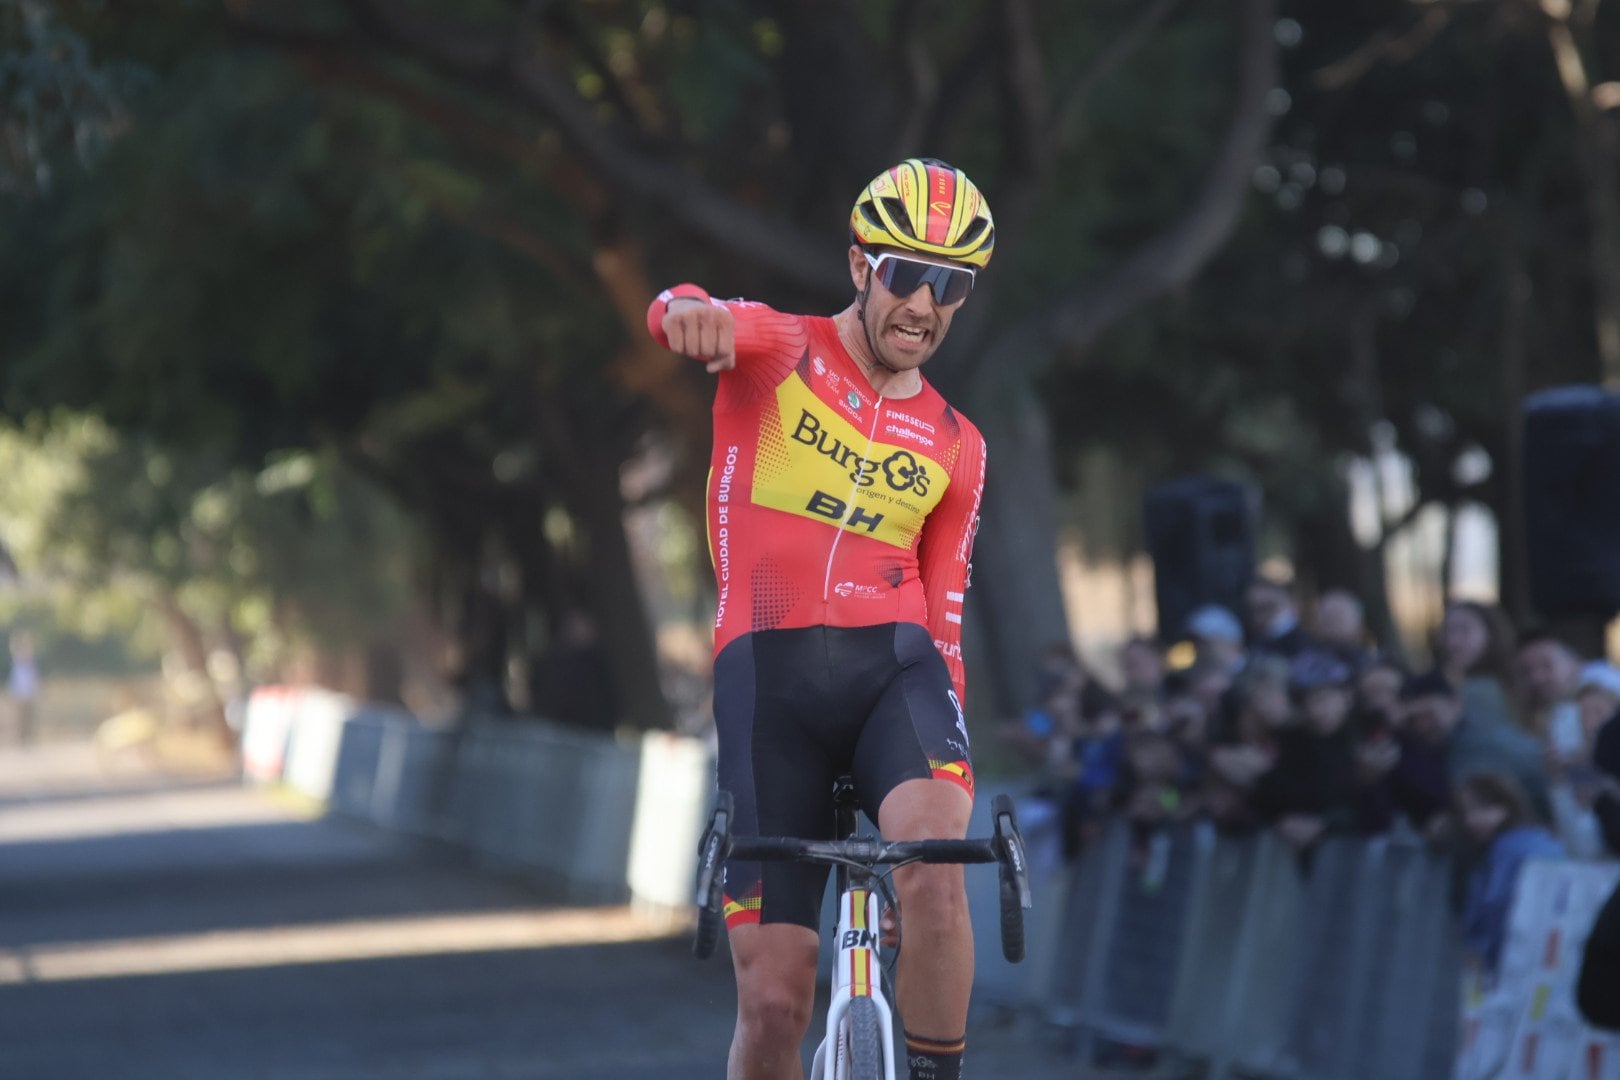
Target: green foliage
point(1370, 283)
point(323, 248)
point(105, 527)
point(59, 103)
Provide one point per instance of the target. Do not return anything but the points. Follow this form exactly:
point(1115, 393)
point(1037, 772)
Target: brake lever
point(1011, 843)
point(714, 846)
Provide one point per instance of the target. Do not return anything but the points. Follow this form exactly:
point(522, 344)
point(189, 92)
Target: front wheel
point(865, 1040)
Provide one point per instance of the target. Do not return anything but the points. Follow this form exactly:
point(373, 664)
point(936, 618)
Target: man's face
point(1379, 689)
point(1266, 603)
point(1338, 619)
point(905, 330)
point(1326, 708)
point(1432, 716)
point(1547, 672)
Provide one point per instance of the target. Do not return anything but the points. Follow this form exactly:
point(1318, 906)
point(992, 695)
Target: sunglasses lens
point(902, 277)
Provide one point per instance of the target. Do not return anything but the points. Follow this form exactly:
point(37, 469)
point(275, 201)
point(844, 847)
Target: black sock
point(935, 1059)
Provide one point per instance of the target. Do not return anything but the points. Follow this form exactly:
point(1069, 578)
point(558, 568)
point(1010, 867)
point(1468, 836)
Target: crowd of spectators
point(1504, 746)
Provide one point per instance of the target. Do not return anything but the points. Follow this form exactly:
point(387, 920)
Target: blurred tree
point(423, 234)
point(55, 101)
point(1429, 245)
point(664, 106)
point(207, 559)
point(265, 268)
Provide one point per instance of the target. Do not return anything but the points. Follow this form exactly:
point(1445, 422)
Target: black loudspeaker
point(1201, 535)
point(1572, 501)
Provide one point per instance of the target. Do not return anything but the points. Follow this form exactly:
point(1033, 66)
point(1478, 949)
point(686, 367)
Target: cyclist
point(842, 501)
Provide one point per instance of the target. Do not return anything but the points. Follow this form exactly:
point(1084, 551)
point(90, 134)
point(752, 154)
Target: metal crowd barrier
point(596, 818)
point(1230, 956)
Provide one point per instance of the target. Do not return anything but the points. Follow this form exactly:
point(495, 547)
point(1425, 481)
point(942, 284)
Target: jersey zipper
point(832, 552)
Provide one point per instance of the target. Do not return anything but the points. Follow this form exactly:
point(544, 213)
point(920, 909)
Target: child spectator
point(1597, 699)
point(1496, 824)
point(1338, 625)
point(1074, 740)
point(1152, 796)
point(1141, 666)
point(1273, 618)
point(1376, 709)
point(1099, 758)
point(1247, 748)
point(1377, 720)
point(1311, 786)
point(1574, 782)
point(1186, 724)
point(1217, 638)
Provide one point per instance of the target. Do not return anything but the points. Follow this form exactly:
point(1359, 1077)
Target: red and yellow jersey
point(828, 504)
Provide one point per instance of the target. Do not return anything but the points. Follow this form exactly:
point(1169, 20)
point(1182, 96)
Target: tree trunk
point(621, 614)
point(1595, 154)
point(1331, 557)
point(186, 637)
point(1016, 598)
point(1513, 561)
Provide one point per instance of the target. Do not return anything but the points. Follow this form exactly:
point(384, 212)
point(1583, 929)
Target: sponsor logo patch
point(816, 464)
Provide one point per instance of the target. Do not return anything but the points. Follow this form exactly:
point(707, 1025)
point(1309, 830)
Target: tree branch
point(922, 78)
point(1026, 88)
point(1066, 122)
point(1383, 47)
point(1172, 258)
point(514, 65)
point(1392, 529)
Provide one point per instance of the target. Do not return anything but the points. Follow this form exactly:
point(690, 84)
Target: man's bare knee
point(776, 982)
point(774, 1015)
point(935, 894)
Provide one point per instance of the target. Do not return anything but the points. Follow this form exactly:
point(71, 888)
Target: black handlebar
point(1006, 847)
point(864, 850)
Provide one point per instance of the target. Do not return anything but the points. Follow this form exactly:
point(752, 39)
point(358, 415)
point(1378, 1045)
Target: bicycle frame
point(857, 972)
point(857, 976)
point(857, 955)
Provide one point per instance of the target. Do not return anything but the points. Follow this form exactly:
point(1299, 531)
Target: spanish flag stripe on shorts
point(744, 911)
point(957, 772)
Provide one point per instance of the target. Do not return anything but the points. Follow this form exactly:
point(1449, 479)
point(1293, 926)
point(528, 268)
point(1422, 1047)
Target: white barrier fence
point(1526, 1025)
point(597, 819)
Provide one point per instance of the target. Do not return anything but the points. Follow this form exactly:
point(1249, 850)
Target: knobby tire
point(865, 1041)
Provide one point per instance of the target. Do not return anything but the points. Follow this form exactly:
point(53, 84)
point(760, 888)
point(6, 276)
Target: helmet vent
point(897, 211)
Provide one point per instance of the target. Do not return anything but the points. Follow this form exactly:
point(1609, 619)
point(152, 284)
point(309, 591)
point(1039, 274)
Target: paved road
point(155, 925)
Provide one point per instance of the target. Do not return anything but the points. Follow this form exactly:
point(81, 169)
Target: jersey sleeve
point(768, 343)
point(946, 550)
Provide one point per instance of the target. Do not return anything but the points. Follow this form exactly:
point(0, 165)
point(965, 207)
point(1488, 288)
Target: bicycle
point(859, 1039)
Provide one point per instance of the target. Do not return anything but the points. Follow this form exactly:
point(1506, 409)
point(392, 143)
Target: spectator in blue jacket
point(1496, 822)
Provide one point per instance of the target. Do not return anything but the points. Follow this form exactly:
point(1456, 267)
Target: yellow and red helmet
point(925, 206)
